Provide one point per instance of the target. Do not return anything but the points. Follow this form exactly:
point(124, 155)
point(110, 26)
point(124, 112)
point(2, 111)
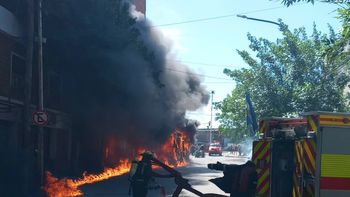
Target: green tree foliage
point(341, 46)
point(284, 78)
point(290, 2)
point(233, 115)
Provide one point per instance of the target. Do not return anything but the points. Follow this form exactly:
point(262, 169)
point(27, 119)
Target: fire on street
point(173, 153)
point(197, 173)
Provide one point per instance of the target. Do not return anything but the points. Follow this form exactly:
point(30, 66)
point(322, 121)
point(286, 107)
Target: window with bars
point(17, 76)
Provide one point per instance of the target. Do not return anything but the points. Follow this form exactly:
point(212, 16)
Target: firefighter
point(142, 174)
point(238, 180)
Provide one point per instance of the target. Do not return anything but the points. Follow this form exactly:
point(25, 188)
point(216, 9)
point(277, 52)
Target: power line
point(206, 115)
point(199, 114)
point(262, 10)
point(214, 82)
point(214, 18)
point(189, 73)
point(195, 20)
point(201, 63)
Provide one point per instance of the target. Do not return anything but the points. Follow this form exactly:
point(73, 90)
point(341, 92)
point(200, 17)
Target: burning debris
point(176, 151)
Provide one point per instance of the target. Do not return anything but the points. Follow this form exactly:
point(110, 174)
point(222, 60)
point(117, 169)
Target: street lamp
point(261, 20)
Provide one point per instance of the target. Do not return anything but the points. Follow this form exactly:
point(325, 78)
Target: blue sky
point(210, 46)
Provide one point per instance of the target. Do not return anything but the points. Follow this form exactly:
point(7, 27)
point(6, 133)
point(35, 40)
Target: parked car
point(215, 149)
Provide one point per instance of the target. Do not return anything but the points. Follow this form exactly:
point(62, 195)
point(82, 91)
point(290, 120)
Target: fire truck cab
point(302, 157)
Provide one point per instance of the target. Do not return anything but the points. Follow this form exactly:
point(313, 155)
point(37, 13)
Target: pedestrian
point(231, 149)
point(235, 149)
point(239, 150)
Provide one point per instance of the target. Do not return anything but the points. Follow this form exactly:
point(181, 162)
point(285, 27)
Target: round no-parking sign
point(40, 118)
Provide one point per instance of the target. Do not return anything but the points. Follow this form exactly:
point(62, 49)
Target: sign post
point(41, 113)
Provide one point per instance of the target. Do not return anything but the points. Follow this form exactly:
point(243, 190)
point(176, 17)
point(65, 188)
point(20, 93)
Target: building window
point(54, 91)
point(17, 76)
point(5, 130)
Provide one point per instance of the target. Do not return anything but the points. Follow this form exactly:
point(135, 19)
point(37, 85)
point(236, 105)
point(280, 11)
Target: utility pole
point(40, 91)
point(211, 118)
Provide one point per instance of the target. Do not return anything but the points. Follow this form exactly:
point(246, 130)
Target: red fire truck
point(302, 157)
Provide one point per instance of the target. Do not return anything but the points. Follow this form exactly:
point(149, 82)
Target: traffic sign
point(40, 118)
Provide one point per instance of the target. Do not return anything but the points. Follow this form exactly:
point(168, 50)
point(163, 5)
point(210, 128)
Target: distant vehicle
point(215, 149)
point(199, 152)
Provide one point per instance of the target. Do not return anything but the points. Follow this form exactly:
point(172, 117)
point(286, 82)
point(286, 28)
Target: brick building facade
point(57, 135)
point(63, 151)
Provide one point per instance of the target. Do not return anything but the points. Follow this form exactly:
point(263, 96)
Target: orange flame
point(176, 150)
point(68, 187)
point(173, 153)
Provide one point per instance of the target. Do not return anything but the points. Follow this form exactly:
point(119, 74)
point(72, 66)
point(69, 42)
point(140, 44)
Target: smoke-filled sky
point(126, 79)
point(162, 91)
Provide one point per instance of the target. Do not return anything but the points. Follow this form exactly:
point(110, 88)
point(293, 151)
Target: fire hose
point(181, 182)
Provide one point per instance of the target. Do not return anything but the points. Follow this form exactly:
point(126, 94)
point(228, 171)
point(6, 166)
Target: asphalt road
point(197, 173)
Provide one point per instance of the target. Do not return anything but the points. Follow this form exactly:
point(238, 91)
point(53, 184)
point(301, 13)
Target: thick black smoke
point(125, 77)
